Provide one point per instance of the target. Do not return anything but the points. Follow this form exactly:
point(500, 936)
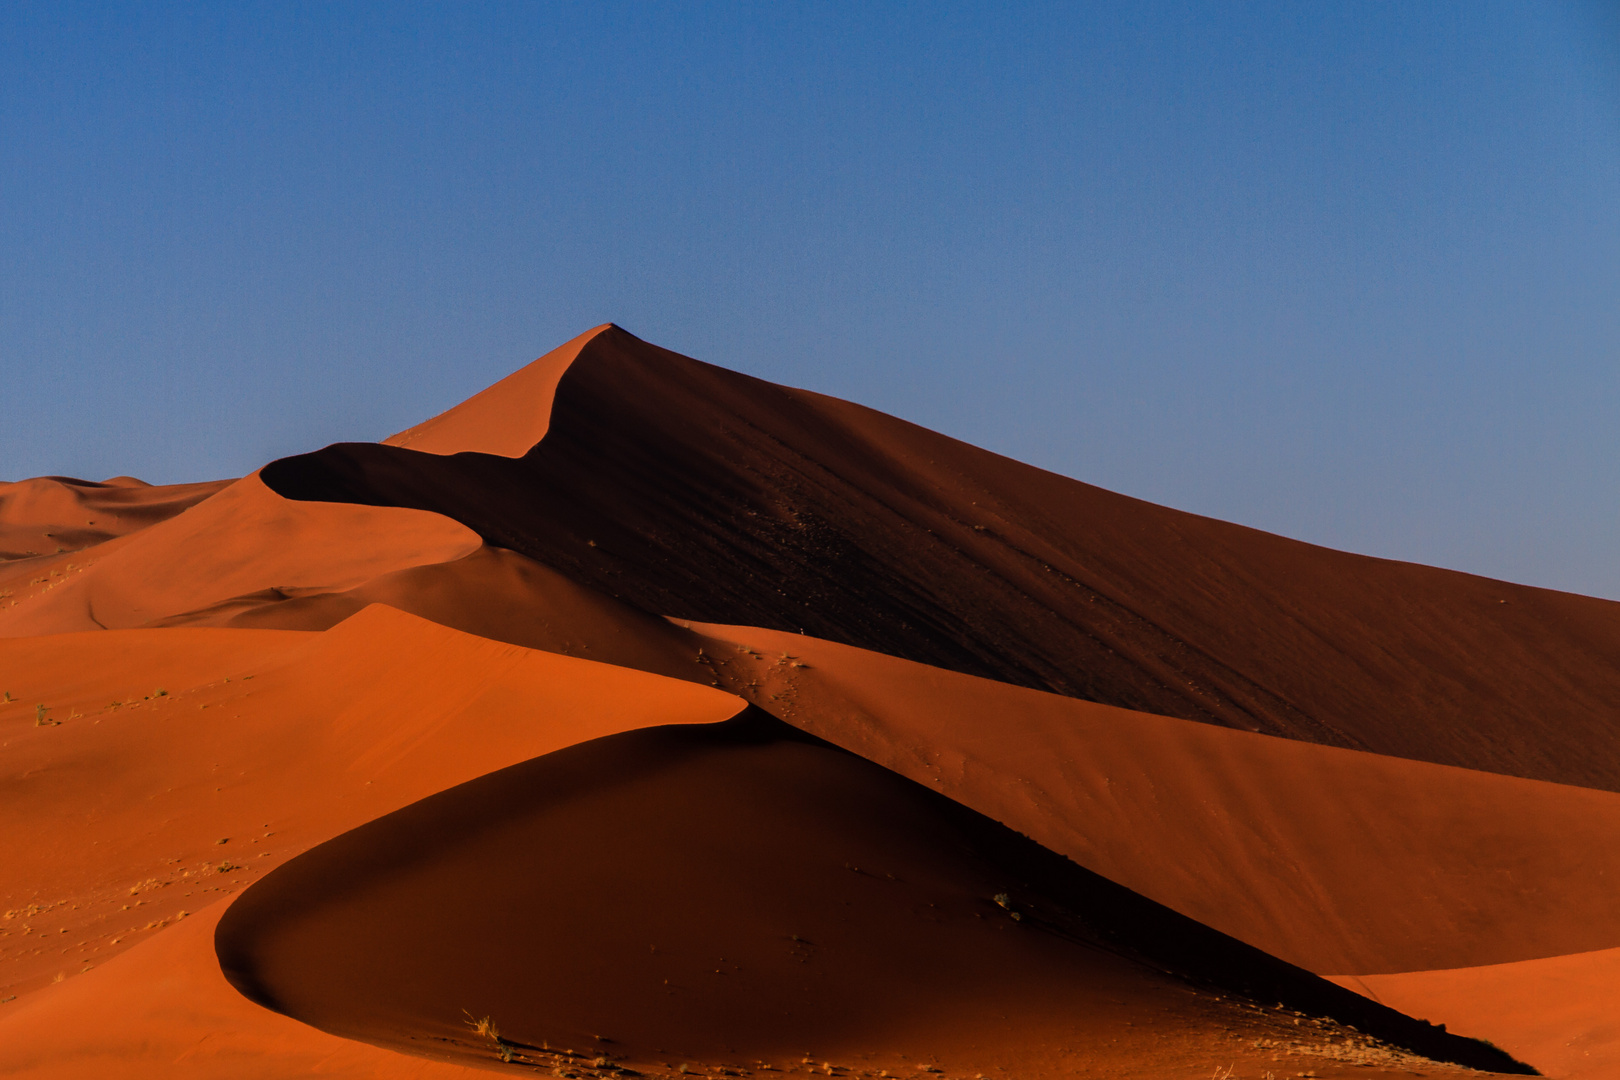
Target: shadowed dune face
point(690, 491)
point(738, 892)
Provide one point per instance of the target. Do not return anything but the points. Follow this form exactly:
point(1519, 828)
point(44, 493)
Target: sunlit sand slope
point(1558, 1012)
point(51, 515)
point(229, 751)
point(245, 544)
point(687, 490)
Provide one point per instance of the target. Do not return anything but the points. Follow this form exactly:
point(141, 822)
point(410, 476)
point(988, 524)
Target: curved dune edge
point(1558, 1012)
point(164, 1009)
point(271, 741)
point(493, 593)
point(1332, 859)
point(1335, 860)
point(245, 539)
point(52, 515)
point(507, 419)
point(736, 895)
point(687, 490)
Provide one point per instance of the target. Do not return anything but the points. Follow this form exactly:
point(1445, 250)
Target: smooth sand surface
point(353, 694)
point(506, 419)
point(736, 893)
point(1333, 859)
point(691, 491)
point(1559, 1012)
point(164, 1009)
point(493, 593)
point(53, 515)
point(268, 740)
point(245, 541)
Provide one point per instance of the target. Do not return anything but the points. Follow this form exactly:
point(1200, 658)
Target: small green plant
point(40, 719)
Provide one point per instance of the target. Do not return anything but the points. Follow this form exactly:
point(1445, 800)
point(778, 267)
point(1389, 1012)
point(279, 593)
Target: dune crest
point(53, 515)
point(1037, 779)
point(690, 491)
point(160, 743)
point(507, 419)
point(244, 540)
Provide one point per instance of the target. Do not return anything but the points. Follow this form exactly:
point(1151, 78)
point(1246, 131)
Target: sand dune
point(1558, 1012)
point(451, 723)
point(272, 741)
point(53, 515)
point(495, 594)
point(507, 419)
point(733, 893)
point(1337, 860)
point(691, 491)
point(164, 1009)
point(245, 541)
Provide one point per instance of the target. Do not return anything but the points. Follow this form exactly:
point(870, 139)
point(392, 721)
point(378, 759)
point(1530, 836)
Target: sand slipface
point(695, 492)
point(311, 772)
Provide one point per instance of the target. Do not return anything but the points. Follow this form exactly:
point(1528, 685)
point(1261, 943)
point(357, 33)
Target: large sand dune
point(303, 772)
point(692, 491)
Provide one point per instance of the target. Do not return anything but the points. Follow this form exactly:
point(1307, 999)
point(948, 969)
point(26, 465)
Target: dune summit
point(636, 717)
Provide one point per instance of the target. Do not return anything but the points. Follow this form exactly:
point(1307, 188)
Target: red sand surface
point(244, 542)
point(268, 740)
point(1336, 860)
point(354, 696)
point(1559, 1012)
point(740, 893)
point(692, 491)
point(164, 1009)
point(51, 515)
point(506, 419)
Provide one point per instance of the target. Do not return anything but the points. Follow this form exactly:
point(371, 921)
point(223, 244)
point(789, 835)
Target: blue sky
point(1348, 272)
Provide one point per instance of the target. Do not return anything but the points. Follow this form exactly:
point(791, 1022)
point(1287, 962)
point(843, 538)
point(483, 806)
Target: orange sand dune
point(246, 539)
point(164, 1009)
point(732, 893)
point(334, 681)
point(1336, 860)
point(495, 594)
point(269, 740)
point(687, 490)
point(507, 418)
point(1558, 1012)
point(51, 515)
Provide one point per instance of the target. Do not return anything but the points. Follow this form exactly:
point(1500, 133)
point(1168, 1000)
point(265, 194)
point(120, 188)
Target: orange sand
point(245, 541)
point(1558, 1012)
point(407, 707)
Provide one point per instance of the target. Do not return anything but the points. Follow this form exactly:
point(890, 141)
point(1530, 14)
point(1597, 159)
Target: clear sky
point(1345, 271)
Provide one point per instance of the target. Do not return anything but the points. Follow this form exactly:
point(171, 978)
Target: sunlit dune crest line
point(639, 717)
point(262, 745)
point(507, 419)
point(691, 491)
